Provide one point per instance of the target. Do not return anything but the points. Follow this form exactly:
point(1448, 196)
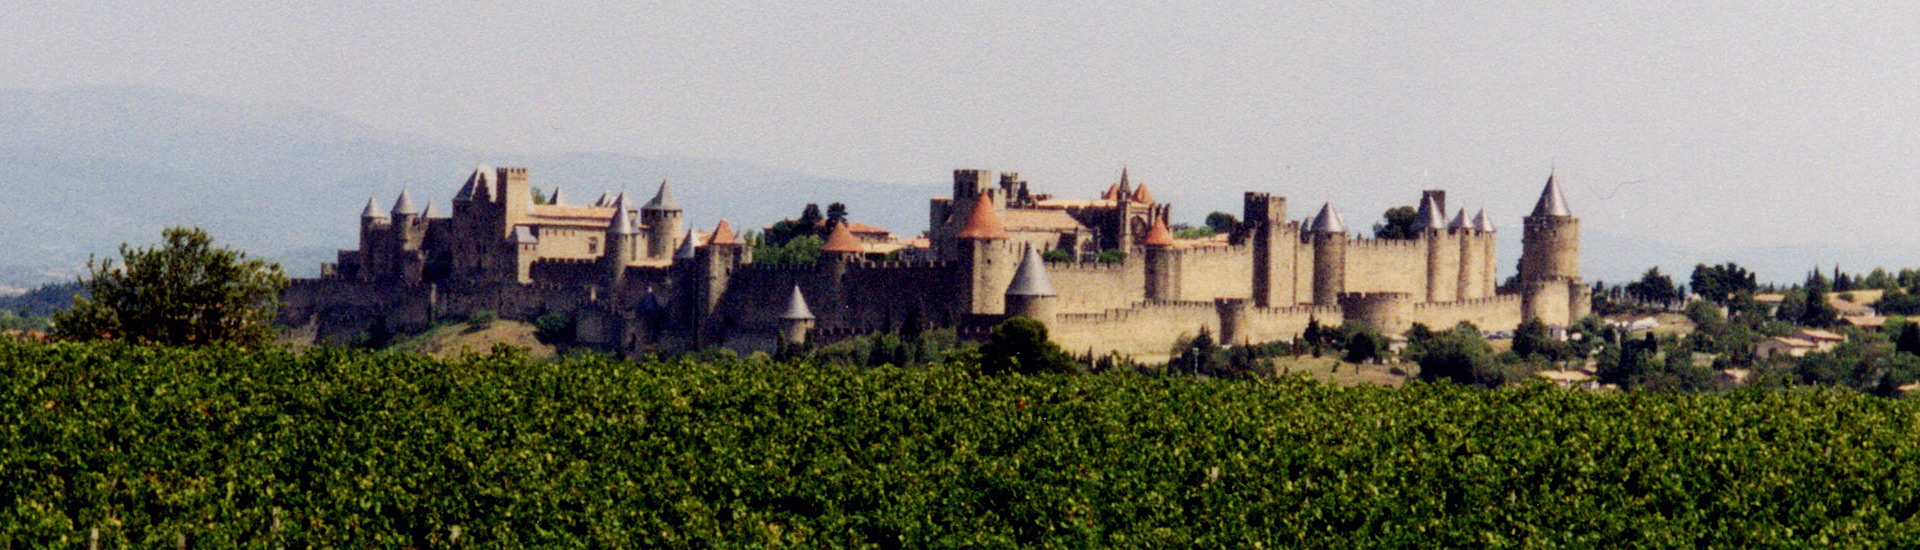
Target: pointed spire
point(722, 235)
point(1030, 279)
point(404, 206)
point(1481, 222)
point(479, 182)
point(427, 212)
point(1126, 190)
point(371, 211)
point(663, 200)
point(686, 247)
point(1429, 216)
point(983, 222)
point(1552, 203)
point(796, 306)
point(1140, 195)
point(554, 197)
point(1459, 220)
point(622, 223)
point(1329, 220)
point(841, 240)
point(1159, 235)
point(604, 197)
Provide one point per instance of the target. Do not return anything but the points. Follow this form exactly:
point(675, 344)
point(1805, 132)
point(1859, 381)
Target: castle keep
point(1113, 278)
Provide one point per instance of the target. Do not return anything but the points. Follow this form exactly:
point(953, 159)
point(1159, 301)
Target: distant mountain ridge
point(87, 169)
point(91, 168)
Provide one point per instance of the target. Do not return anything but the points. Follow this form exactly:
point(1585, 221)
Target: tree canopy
point(1020, 345)
point(1396, 223)
point(184, 292)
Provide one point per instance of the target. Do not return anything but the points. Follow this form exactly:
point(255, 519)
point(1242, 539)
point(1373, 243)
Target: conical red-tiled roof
point(1141, 195)
point(841, 240)
point(722, 235)
point(1159, 235)
point(983, 222)
point(1112, 194)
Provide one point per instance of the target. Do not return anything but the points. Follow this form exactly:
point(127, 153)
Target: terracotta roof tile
point(983, 222)
point(722, 235)
point(842, 240)
point(1159, 235)
point(1141, 195)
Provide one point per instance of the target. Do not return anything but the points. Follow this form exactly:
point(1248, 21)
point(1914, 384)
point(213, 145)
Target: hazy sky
point(1701, 124)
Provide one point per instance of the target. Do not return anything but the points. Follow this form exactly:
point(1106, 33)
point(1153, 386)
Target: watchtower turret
point(1329, 256)
point(1551, 287)
point(1031, 293)
point(662, 218)
point(1162, 269)
point(984, 257)
point(621, 245)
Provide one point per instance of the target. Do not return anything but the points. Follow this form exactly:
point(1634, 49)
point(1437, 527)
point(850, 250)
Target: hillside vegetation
point(351, 449)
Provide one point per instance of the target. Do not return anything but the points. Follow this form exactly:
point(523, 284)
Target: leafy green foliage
point(374, 450)
point(186, 292)
point(1184, 231)
point(1222, 222)
point(1056, 255)
point(1459, 355)
point(1020, 345)
point(1397, 223)
point(1654, 288)
point(801, 250)
point(1363, 344)
point(1719, 283)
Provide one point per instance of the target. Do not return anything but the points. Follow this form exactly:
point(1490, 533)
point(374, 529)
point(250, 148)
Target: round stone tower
point(1550, 260)
point(662, 218)
point(797, 320)
point(1031, 292)
point(1329, 256)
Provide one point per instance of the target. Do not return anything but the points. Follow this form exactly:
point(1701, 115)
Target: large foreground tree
point(184, 292)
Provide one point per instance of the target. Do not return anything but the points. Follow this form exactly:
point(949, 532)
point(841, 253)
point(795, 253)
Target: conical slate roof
point(686, 248)
point(983, 222)
point(371, 211)
point(651, 302)
point(604, 197)
point(663, 200)
point(427, 212)
point(1159, 235)
point(796, 306)
point(554, 197)
point(622, 223)
point(1030, 279)
point(479, 186)
point(404, 206)
point(841, 240)
point(1552, 203)
point(1429, 216)
point(1481, 223)
point(1329, 220)
point(1459, 220)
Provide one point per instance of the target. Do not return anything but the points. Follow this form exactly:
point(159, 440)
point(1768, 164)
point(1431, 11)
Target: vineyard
point(224, 448)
